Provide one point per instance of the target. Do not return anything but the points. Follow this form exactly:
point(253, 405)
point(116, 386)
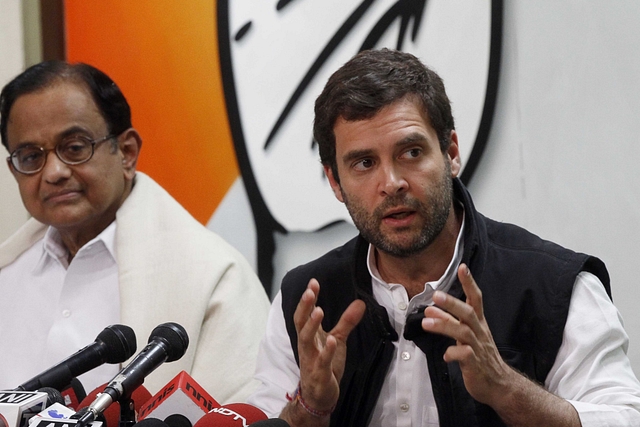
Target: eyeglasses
point(73, 150)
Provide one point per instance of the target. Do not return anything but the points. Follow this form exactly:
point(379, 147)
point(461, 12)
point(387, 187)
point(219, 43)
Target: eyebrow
point(356, 154)
point(73, 130)
point(412, 138)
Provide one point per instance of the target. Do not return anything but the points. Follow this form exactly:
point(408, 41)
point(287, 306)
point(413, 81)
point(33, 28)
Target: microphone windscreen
point(271, 422)
point(176, 338)
point(121, 342)
point(232, 415)
point(249, 412)
point(53, 395)
point(178, 420)
point(150, 422)
point(112, 414)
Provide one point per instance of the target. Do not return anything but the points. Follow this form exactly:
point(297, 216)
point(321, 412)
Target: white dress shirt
point(54, 308)
point(591, 371)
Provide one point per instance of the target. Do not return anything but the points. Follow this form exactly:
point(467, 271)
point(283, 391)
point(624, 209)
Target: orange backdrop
point(164, 56)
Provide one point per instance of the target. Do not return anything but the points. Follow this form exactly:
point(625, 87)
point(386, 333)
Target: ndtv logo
point(228, 412)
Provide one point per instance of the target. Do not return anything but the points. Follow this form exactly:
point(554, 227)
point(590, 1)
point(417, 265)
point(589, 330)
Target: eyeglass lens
point(71, 151)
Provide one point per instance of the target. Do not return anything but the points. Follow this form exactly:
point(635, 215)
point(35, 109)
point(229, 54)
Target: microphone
point(168, 342)
point(271, 422)
point(17, 407)
point(115, 344)
point(53, 395)
point(111, 416)
point(74, 394)
point(182, 395)
point(175, 420)
point(150, 422)
point(232, 415)
point(54, 412)
point(178, 420)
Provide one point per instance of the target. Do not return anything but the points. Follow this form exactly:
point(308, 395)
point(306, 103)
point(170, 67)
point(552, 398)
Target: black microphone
point(151, 422)
point(168, 342)
point(178, 420)
point(271, 422)
point(53, 395)
point(115, 344)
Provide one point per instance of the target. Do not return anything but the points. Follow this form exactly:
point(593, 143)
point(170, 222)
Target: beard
point(405, 242)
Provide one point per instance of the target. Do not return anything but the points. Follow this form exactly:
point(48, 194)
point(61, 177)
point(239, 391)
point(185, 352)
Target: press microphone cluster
point(118, 403)
point(168, 342)
point(114, 344)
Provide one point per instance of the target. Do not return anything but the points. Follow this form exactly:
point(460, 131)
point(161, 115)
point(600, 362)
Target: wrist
point(297, 399)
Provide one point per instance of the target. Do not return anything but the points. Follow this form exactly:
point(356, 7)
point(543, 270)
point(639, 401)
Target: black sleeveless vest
point(526, 285)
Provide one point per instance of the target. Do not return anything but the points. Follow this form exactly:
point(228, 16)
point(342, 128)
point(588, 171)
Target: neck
point(74, 240)
point(76, 236)
point(428, 265)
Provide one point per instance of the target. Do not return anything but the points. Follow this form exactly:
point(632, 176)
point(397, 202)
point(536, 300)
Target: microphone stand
point(127, 413)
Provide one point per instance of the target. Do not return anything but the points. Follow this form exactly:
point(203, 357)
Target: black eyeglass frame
point(12, 159)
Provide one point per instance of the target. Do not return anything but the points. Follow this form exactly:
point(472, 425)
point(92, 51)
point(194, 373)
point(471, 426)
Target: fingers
point(306, 304)
point(455, 318)
point(308, 318)
point(349, 320)
point(471, 289)
point(443, 323)
point(322, 355)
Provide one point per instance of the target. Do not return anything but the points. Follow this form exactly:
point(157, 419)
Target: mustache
point(402, 200)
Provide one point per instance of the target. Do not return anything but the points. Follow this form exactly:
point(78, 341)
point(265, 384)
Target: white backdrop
point(562, 157)
point(562, 153)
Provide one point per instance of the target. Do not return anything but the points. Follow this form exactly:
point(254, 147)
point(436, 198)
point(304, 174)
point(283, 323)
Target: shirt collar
point(443, 283)
point(54, 250)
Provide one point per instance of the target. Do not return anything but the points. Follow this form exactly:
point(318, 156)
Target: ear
point(335, 186)
point(129, 144)
point(11, 168)
point(453, 153)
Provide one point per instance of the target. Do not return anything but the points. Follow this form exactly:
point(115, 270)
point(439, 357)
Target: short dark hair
point(110, 101)
point(370, 81)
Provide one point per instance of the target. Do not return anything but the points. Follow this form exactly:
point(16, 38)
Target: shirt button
point(66, 313)
point(404, 407)
point(402, 306)
point(405, 355)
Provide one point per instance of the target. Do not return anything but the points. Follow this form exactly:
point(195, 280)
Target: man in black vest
point(392, 328)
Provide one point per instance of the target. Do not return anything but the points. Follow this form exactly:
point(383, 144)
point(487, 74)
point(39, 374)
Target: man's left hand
point(486, 376)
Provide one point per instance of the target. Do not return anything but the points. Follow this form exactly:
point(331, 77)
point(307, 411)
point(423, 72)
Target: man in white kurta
point(141, 261)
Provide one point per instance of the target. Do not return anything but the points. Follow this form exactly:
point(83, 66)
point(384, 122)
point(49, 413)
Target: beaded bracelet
point(297, 397)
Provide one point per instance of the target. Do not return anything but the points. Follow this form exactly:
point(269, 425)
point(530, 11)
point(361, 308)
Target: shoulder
point(514, 242)
point(156, 234)
point(19, 242)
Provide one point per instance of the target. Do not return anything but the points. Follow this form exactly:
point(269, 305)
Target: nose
point(55, 170)
point(392, 181)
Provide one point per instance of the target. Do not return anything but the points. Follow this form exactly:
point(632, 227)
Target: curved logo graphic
point(272, 57)
point(276, 57)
